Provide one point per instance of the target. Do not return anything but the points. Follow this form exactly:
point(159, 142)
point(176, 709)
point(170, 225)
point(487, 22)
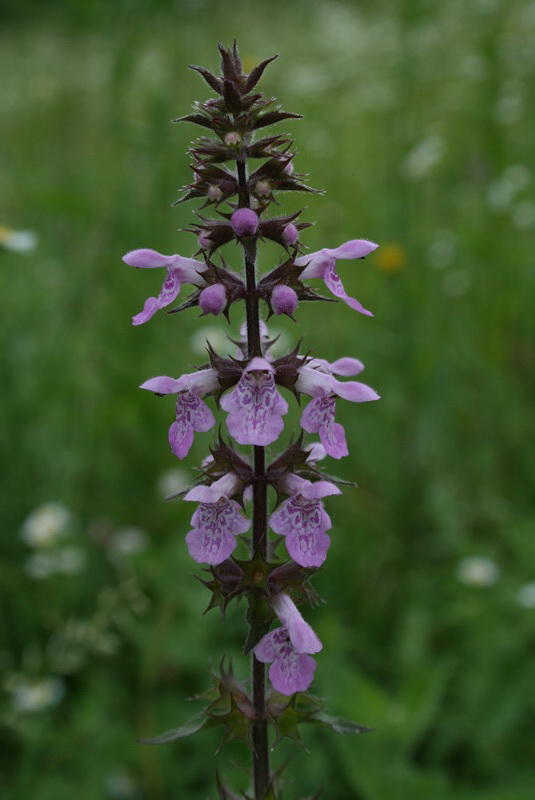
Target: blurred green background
point(418, 125)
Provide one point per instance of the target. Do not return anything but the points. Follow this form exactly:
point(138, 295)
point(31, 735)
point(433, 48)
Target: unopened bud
point(289, 168)
point(283, 300)
point(244, 221)
point(214, 192)
point(232, 138)
point(204, 240)
point(213, 299)
point(262, 188)
point(290, 234)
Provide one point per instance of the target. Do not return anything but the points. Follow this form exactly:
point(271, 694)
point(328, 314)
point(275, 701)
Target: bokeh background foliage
point(418, 125)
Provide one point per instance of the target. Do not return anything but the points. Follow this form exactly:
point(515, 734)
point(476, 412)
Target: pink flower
point(255, 406)
point(288, 648)
point(179, 270)
point(192, 413)
point(303, 520)
point(322, 264)
point(319, 415)
point(216, 522)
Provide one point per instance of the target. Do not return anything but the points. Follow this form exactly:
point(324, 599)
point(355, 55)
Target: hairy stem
point(261, 774)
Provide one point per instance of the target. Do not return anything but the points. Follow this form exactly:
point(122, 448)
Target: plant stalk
point(261, 773)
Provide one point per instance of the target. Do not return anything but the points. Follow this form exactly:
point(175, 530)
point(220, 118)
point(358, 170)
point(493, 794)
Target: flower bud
point(290, 234)
point(283, 300)
point(213, 299)
point(232, 138)
point(289, 168)
point(262, 188)
point(214, 192)
point(244, 221)
point(204, 240)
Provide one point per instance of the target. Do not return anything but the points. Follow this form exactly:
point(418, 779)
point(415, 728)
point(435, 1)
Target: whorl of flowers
point(238, 172)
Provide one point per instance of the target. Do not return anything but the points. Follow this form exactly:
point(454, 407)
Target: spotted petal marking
point(335, 285)
point(318, 417)
point(304, 523)
point(255, 408)
point(216, 526)
point(192, 414)
point(168, 292)
point(290, 671)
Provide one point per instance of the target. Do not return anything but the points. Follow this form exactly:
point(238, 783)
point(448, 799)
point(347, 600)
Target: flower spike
point(238, 174)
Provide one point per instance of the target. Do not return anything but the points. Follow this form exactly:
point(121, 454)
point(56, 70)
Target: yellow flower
point(391, 258)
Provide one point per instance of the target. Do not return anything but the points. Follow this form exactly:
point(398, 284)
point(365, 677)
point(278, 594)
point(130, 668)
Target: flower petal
point(333, 438)
point(346, 366)
point(320, 411)
point(354, 391)
point(255, 408)
point(180, 438)
point(201, 416)
point(209, 546)
point(192, 414)
point(216, 526)
point(163, 385)
point(168, 293)
point(313, 381)
point(291, 674)
point(268, 647)
point(335, 285)
point(145, 257)
point(302, 637)
point(203, 494)
point(225, 515)
point(298, 515)
point(355, 248)
point(309, 549)
point(319, 489)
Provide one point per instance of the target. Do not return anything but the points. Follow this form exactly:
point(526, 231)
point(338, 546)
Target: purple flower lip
point(179, 270)
point(217, 521)
point(255, 406)
point(192, 413)
point(319, 414)
point(245, 222)
point(303, 520)
point(322, 264)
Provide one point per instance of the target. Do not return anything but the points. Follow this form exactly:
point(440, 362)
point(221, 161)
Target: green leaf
point(197, 723)
point(288, 719)
point(338, 724)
